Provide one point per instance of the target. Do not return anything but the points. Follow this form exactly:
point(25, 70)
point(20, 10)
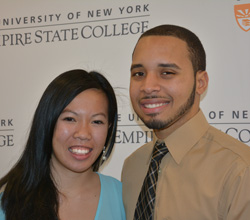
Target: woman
point(72, 133)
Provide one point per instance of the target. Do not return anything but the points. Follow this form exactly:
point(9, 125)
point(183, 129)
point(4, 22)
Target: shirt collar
point(185, 137)
point(180, 142)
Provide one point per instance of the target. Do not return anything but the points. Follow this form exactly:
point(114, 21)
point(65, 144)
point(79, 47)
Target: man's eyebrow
point(133, 66)
point(169, 65)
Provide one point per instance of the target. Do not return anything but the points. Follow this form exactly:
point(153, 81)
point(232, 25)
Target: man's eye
point(138, 74)
point(167, 73)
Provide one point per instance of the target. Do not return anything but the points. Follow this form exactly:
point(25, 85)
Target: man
point(205, 173)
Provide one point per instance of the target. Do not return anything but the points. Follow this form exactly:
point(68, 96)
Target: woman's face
point(80, 132)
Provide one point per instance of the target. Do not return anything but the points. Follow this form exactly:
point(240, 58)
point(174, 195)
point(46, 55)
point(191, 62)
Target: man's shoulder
point(229, 143)
point(135, 167)
point(137, 159)
point(142, 151)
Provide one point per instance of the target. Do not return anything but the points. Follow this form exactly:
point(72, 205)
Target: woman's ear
point(201, 82)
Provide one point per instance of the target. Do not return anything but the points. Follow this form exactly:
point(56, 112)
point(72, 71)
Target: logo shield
point(242, 16)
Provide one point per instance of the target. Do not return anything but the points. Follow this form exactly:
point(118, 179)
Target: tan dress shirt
point(205, 175)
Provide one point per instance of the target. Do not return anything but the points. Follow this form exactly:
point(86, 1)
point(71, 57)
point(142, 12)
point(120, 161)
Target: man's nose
point(150, 84)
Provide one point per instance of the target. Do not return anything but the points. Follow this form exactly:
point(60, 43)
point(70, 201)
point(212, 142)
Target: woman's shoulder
point(2, 217)
point(2, 189)
point(109, 180)
point(110, 203)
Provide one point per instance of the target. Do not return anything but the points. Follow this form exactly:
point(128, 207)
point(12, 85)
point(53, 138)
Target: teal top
point(2, 216)
point(110, 204)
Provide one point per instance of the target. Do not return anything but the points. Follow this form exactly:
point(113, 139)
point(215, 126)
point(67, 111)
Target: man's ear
point(201, 82)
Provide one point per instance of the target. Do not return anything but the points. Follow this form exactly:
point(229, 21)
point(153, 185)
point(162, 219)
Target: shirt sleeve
point(239, 197)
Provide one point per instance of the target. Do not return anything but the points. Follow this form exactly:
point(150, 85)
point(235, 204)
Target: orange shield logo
point(242, 15)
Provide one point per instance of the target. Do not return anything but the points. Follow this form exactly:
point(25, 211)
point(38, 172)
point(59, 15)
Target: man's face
point(162, 84)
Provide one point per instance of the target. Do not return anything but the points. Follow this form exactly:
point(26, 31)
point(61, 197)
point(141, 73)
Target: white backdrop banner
point(41, 39)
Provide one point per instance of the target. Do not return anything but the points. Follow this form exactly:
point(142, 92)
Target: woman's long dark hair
point(29, 189)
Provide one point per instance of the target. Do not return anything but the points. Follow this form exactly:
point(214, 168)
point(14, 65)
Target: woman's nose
point(82, 131)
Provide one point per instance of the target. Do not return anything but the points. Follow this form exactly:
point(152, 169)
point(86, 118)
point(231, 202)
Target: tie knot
point(160, 150)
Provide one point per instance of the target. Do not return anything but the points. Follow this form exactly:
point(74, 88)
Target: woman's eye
point(98, 122)
point(69, 119)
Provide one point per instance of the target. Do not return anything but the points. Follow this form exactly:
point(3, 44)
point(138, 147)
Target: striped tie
point(145, 204)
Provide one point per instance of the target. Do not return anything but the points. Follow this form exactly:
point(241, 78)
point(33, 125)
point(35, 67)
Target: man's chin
point(155, 124)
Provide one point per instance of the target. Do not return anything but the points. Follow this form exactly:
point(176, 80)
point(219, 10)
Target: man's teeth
point(154, 105)
point(79, 151)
